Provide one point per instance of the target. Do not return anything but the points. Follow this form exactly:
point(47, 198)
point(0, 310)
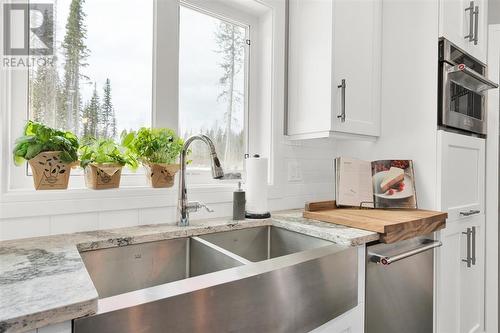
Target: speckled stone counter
point(43, 280)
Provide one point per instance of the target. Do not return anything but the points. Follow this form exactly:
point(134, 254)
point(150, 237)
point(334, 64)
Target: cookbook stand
point(363, 203)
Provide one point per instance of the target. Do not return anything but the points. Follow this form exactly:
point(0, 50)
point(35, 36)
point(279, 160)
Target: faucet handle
point(203, 205)
point(195, 206)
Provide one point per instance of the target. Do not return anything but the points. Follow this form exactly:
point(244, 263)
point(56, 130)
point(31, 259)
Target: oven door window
point(465, 101)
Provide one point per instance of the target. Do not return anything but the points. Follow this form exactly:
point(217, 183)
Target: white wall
point(494, 11)
point(409, 94)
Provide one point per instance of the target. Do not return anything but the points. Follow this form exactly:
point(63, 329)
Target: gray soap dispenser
point(239, 202)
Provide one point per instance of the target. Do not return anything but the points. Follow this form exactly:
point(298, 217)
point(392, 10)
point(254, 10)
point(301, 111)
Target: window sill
point(29, 203)
point(24, 195)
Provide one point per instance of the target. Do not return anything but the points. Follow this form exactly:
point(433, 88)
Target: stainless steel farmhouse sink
point(262, 279)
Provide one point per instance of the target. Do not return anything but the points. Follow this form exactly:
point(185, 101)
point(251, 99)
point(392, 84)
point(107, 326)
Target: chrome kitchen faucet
point(184, 207)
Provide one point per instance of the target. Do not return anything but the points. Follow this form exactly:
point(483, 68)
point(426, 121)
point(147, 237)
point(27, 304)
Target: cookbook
point(377, 184)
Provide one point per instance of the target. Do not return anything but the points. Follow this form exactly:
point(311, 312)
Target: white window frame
point(216, 9)
point(16, 187)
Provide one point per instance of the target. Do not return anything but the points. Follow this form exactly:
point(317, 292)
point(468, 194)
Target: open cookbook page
point(394, 184)
point(354, 186)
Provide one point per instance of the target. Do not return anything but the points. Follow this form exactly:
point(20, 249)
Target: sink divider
point(222, 250)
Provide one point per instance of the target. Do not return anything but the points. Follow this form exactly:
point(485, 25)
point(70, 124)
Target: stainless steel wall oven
point(462, 87)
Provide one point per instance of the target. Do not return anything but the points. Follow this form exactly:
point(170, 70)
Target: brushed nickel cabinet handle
point(470, 9)
point(473, 257)
point(476, 25)
point(342, 86)
point(469, 258)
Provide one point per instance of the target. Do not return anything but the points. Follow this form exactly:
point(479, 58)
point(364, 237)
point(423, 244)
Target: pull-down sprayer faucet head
point(217, 171)
point(184, 207)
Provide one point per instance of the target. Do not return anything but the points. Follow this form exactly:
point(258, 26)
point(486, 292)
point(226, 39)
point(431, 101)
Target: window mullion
point(166, 64)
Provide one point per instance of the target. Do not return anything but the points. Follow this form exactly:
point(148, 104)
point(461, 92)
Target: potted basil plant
point(158, 150)
point(103, 161)
point(51, 154)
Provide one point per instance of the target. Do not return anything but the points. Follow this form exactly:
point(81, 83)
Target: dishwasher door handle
point(387, 260)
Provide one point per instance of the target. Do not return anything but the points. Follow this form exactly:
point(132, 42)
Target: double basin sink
point(262, 279)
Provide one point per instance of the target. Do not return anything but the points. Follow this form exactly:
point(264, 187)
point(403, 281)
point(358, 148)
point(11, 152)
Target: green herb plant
point(40, 138)
point(105, 151)
point(153, 145)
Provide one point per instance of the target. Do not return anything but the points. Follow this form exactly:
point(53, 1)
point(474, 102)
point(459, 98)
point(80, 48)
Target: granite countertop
point(43, 280)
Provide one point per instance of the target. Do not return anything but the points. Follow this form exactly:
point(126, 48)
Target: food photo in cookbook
point(394, 184)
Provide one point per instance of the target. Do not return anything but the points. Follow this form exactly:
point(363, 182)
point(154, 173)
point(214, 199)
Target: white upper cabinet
point(357, 60)
point(334, 64)
point(465, 24)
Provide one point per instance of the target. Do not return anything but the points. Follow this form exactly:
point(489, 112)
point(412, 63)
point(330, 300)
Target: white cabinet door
point(461, 180)
point(472, 278)
point(460, 286)
point(460, 19)
point(357, 60)
point(330, 41)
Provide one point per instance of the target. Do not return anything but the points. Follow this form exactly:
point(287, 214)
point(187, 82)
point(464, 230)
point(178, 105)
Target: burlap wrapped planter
point(49, 172)
point(161, 175)
point(103, 176)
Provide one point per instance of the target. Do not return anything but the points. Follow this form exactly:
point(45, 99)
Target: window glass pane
point(100, 81)
point(212, 87)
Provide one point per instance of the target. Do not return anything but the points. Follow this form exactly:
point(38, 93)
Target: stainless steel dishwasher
point(399, 286)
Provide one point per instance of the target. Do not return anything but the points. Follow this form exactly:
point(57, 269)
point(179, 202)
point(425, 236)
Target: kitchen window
point(163, 70)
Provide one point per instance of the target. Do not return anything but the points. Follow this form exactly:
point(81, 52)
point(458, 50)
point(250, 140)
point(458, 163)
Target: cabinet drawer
point(461, 175)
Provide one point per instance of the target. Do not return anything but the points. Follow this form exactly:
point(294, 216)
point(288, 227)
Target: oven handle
point(462, 70)
point(385, 260)
point(475, 75)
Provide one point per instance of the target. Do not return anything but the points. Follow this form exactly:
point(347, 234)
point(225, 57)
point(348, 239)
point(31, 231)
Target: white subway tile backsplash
point(118, 219)
point(157, 215)
point(24, 227)
point(61, 224)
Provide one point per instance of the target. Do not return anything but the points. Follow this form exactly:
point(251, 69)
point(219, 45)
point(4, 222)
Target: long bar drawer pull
point(470, 212)
point(384, 260)
point(469, 235)
point(473, 246)
point(476, 25)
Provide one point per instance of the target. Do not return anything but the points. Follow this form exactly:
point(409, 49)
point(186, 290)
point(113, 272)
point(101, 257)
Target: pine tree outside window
point(100, 83)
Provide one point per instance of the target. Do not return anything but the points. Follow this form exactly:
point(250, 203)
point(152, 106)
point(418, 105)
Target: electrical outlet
point(294, 172)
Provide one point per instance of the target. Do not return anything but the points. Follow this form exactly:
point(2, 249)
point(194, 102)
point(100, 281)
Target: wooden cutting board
point(392, 224)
